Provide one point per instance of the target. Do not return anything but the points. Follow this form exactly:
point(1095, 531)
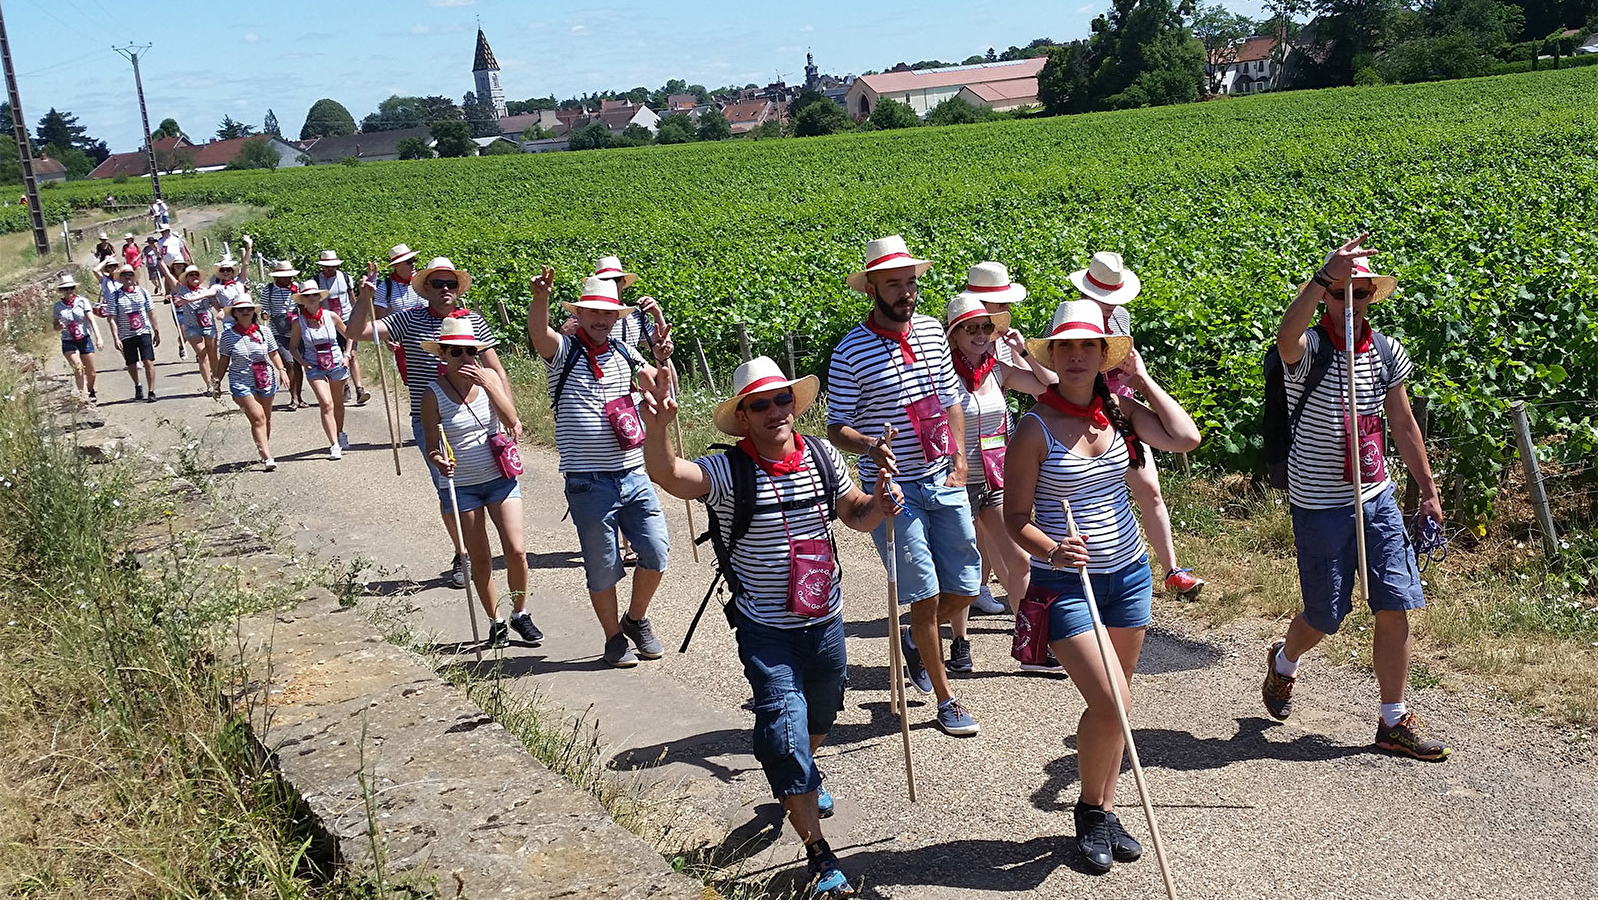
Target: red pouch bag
point(505, 454)
point(1372, 452)
point(263, 375)
point(622, 413)
point(75, 330)
point(324, 356)
point(135, 321)
point(991, 447)
point(1031, 644)
point(203, 317)
point(810, 568)
point(931, 424)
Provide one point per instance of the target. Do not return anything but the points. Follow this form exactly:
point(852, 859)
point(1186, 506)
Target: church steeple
point(485, 72)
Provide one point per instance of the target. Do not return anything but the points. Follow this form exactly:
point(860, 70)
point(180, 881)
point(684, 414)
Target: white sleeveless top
point(467, 426)
point(1101, 503)
point(312, 334)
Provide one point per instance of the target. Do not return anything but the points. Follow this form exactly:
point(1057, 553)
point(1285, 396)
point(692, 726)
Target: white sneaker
point(986, 603)
point(268, 464)
point(335, 452)
point(343, 441)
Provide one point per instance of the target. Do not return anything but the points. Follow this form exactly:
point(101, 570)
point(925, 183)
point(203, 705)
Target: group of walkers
point(948, 484)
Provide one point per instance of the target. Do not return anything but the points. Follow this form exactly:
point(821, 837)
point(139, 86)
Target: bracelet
point(1024, 354)
point(1321, 278)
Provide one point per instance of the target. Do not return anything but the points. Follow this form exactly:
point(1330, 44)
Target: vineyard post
point(1411, 486)
point(793, 367)
point(704, 365)
point(206, 243)
point(1534, 480)
point(743, 340)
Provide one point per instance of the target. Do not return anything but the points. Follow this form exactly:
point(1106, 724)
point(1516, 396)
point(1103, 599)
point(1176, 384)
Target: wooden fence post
point(743, 340)
point(1534, 479)
point(1411, 486)
point(704, 366)
point(793, 366)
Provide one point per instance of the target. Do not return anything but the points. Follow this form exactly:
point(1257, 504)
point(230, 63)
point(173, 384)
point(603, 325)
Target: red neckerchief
point(129, 288)
point(1093, 411)
point(788, 465)
point(228, 283)
point(1362, 345)
point(316, 320)
point(902, 338)
point(593, 351)
point(401, 279)
point(974, 377)
point(253, 331)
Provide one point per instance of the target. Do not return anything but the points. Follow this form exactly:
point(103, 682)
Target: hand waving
point(1340, 262)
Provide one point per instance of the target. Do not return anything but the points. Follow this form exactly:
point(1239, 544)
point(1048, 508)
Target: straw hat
point(165, 226)
point(329, 259)
point(965, 307)
point(456, 331)
point(227, 262)
point(110, 262)
point(124, 268)
point(442, 264)
point(1107, 280)
point(283, 269)
point(1382, 286)
point(189, 268)
point(128, 236)
point(609, 267)
point(598, 293)
point(104, 236)
point(244, 302)
point(400, 253)
point(883, 254)
point(758, 375)
point(1078, 320)
point(67, 282)
point(990, 282)
point(309, 288)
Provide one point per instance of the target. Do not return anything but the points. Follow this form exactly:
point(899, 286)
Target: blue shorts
point(602, 501)
point(196, 333)
point(797, 676)
point(1327, 555)
point(477, 496)
point(1125, 598)
point(936, 541)
point(339, 374)
point(84, 344)
point(240, 389)
point(421, 447)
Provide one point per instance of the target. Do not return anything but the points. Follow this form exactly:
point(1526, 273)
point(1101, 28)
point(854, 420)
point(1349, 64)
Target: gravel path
point(1249, 807)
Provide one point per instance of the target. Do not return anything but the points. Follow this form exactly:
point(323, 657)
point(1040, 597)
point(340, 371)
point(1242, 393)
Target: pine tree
point(270, 126)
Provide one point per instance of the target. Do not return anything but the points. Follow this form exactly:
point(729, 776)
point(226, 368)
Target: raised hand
point(542, 284)
point(368, 287)
point(1014, 340)
point(660, 407)
point(662, 344)
point(1340, 262)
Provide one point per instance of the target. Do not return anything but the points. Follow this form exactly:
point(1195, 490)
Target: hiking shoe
point(93, 397)
point(618, 655)
point(138, 392)
point(269, 464)
point(986, 603)
point(1278, 689)
point(642, 634)
point(824, 804)
point(334, 451)
point(523, 623)
point(954, 720)
point(1123, 846)
point(1049, 666)
point(343, 441)
point(826, 878)
point(1405, 737)
point(960, 655)
point(457, 572)
point(150, 397)
point(1184, 584)
point(1095, 839)
point(361, 396)
point(912, 663)
point(498, 634)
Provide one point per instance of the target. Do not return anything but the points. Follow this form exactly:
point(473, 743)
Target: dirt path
point(1250, 807)
point(195, 219)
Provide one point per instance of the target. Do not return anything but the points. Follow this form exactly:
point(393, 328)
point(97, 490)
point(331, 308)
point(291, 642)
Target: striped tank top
point(467, 426)
point(1100, 501)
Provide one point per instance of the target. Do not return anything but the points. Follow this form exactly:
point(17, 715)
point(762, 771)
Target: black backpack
point(1280, 423)
point(575, 354)
point(743, 513)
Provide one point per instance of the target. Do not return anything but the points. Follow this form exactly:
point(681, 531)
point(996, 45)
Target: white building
point(1000, 86)
point(1252, 69)
point(485, 72)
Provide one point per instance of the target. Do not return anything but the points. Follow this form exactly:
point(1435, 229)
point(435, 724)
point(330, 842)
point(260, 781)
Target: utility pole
point(19, 125)
point(132, 52)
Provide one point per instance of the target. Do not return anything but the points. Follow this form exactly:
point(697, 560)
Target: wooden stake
point(460, 547)
point(743, 340)
point(1534, 480)
point(895, 657)
point(704, 366)
point(793, 366)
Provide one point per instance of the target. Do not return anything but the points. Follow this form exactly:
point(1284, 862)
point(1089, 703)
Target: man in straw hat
point(787, 605)
point(280, 306)
point(173, 250)
point(137, 332)
point(600, 437)
point(894, 370)
point(340, 298)
point(440, 285)
point(396, 293)
point(637, 328)
point(1320, 479)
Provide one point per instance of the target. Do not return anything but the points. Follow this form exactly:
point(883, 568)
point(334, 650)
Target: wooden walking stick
point(382, 380)
point(1355, 459)
point(460, 545)
point(1113, 675)
point(895, 658)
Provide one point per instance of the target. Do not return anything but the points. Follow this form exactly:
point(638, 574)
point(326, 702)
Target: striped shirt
point(869, 385)
point(394, 297)
point(467, 427)
point(1100, 502)
point(189, 308)
point(339, 290)
point(230, 291)
point(412, 327)
point(1319, 446)
point(73, 314)
point(635, 329)
point(325, 334)
point(761, 559)
point(582, 433)
point(243, 351)
point(987, 410)
point(278, 301)
point(124, 306)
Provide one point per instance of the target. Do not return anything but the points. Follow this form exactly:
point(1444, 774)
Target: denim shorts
point(421, 447)
point(602, 501)
point(1327, 556)
point(82, 345)
point(477, 496)
point(797, 676)
point(1125, 598)
point(196, 333)
point(981, 497)
point(339, 374)
point(935, 540)
point(240, 389)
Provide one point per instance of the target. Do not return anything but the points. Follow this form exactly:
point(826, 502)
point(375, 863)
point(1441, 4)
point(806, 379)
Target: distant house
point(178, 154)
point(515, 125)
point(483, 142)
point(1001, 85)
point(47, 169)
point(681, 102)
point(618, 117)
point(1252, 70)
point(367, 146)
point(747, 115)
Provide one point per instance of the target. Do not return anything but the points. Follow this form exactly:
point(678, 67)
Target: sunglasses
point(978, 327)
point(781, 401)
point(1363, 294)
point(457, 352)
point(442, 284)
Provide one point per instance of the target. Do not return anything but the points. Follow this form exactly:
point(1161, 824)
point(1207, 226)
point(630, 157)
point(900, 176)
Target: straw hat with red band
point(1107, 280)
point(456, 331)
point(244, 302)
point(1382, 286)
point(442, 264)
point(609, 268)
point(883, 254)
point(964, 308)
point(1081, 320)
point(400, 253)
point(283, 269)
point(598, 293)
point(990, 282)
point(328, 259)
point(309, 288)
point(757, 376)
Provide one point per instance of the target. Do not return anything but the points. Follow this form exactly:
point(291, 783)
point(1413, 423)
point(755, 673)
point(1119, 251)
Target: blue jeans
point(1327, 556)
point(797, 675)
point(1125, 598)
point(602, 501)
point(935, 540)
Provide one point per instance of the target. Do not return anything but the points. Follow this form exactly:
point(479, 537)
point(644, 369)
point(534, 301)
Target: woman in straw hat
point(255, 372)
point(314, 339)
point(151, 257)
point(474, 406)
point(1078, 445)
point(198, 311)
point(74, 318)
point(340, 301)
point(280, 308)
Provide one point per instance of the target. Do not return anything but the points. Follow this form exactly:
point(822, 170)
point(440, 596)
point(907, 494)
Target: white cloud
point(579, 29)
point(1084, 10)
point(251, 37)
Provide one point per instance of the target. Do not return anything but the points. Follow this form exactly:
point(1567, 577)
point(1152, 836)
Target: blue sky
point(211, 59)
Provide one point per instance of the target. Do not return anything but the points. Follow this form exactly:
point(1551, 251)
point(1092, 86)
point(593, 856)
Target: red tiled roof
point(203, 156)
point(898, 82)
point(682, 101)
point(755, 111)
point(1005, 91)
point(1256, 48)
point(129, 164)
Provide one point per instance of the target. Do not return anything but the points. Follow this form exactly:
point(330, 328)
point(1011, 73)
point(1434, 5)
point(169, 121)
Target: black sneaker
point(960, 655)
point(150, 398)
point(1123, 846)
point(523, 623)
point(1094, 837)
point(1278, 688)
point(642, 634)
point(138, 392)
point(1405, 737)
point(498, 634)
point(826, 878)
point(618, 655)
point(93, 397)
point(457, 572)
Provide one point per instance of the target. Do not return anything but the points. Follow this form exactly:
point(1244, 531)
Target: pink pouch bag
point(931, 424)
point(1031, 644)
point(622, 413)
point(203, 317)
point(76, 331)
point(810, 568)
point(991, 447)
point(1372, 452)
point(136, 321)
point(324, 356)
point(505, 454)
point(263, 375)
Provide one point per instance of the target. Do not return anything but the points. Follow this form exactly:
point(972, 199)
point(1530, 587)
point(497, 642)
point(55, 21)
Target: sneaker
point(1278, 689)
point(346, 390)
point(643, 637)
point(361, 396)
point(335, 452)
point(1405, 737)
point(826, 878)
point(1050, 666)
point(523, 623)
point(93, 397)
point(987, 604)
point(1184, 584)
point(912, 663)
point(960, 655)
point(268, 464)
point(1094, 837)
point(457, 572)
point(150, 397)
point(618, 655)
point(1123, 846)
point(343, 441)
point(824, 803)
point(954, 720)
point(138, 392)
point(498, 634)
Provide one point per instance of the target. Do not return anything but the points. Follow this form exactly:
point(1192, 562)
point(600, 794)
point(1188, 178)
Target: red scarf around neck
point(253, 331)
point(1093, 411)
point(974, 377)
point(788, 465)
point(402, 279)
point(593, 350)
point(314, 318)
point(1334, 328)
point(902, 338)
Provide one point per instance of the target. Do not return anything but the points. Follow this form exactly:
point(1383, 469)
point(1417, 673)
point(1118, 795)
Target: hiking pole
point(171, 303)
point(895, 660)
point(382, 380)
point(460, 545)
point(1356, 461)
point(1115, 679)
point(676, 424)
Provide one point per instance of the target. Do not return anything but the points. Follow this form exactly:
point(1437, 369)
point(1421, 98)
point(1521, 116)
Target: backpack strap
point(565, 374)
point(1320, 364)
point(1384, 349)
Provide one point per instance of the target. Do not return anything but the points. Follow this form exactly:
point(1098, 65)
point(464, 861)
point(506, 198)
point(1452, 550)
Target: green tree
point(593, 136)
point(1348, 33)
point(765, 131)
point(415, 148)
point(500, 148)
point(537, 133)
point(821, 118)
point(77, 163)
point(327, 118)
point(713, 126)
point(453, 139)
point(893, 114)
point(60, 128)
point(676, 128)
point(1148, 58)
point(634, 136)
point(1221, 32)
point(167, 128)
point(955, 111)
point(480, 115)
point(1282, 24)
point(270, 126)
point(1065, 84)
point(256, 154)
point(229, 129)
